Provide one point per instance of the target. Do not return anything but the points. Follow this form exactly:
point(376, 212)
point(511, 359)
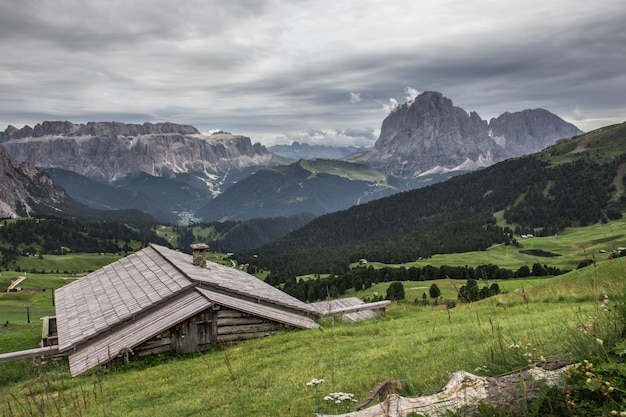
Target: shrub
point(395, 291)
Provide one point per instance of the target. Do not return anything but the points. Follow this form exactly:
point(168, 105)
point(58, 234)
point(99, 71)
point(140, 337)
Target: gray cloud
point(322, 71)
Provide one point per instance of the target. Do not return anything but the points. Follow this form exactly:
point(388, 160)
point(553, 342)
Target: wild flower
point(314, 382)
point(339, 397)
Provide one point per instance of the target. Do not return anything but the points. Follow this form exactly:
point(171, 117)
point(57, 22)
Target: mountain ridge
point(430, 132)
point(317, 186)
point(108, 151)
point(24, 188)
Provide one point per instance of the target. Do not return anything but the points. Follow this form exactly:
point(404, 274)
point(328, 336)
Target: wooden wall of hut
point(232, 326)
point(214, 326)
point(192, 335)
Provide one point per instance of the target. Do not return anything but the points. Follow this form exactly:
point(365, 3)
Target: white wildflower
point(314, 382)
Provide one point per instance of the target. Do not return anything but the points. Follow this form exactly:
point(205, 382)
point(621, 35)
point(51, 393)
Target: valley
point(539, 237)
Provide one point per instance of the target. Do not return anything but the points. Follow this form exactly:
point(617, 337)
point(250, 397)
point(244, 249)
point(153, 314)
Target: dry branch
point(465, 392)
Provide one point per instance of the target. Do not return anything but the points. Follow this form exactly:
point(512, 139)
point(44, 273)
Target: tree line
point(51, 235)
point(316, 288)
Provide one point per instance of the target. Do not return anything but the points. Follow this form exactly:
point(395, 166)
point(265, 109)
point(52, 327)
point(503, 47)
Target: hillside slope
point(24, 188)
point(575, 182)
point(317, 187)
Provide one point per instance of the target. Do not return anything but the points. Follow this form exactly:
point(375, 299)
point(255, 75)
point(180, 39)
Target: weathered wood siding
point(214, 326)
point(232, 326)
point(49, 336)
point(190, 336)
point(193, 335)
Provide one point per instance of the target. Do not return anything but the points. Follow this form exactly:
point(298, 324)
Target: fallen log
point(465, 392)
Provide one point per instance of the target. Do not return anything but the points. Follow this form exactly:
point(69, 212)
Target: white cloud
point(354, 98)
point(577, 112)
point(390, 106)
point(411, 93)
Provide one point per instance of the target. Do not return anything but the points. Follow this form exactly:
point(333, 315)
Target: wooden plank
point(260, 310)
point(250, 328)
point(226, 313)
point(155, 351)
point(155, 343)
point(243, 336)
point(355, 308)
point(236, 321)
point(30, 353)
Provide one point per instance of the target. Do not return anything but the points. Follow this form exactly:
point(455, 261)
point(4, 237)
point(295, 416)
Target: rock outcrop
point(24, 188)
point(529, 131)
point(430, 132)
point(108, 150)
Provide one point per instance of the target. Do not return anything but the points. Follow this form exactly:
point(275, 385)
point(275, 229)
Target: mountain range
point(422, 142)
point(173, 171)
point(299, 151)
point(167, 167)
point(430, 134)
point(576, 182)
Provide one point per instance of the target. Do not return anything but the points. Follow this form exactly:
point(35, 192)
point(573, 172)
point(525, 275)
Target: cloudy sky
point(319, 71)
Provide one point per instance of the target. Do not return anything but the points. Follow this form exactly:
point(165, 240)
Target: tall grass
point(421, 345)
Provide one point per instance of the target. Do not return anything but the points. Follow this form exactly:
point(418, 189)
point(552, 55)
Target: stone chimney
point(199, 254)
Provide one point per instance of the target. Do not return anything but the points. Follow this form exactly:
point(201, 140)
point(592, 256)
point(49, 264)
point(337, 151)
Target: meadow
point(421, 345)
point(567, 249)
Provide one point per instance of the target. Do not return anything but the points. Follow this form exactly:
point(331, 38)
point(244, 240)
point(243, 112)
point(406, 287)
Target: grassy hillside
point(268, 376)
point(565, 250)
point(351, 171)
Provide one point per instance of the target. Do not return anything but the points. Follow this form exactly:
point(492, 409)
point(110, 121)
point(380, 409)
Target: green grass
point(602, 144)
point(573, 245)
point(421, 345)
point(72, 263)
point(344, 169)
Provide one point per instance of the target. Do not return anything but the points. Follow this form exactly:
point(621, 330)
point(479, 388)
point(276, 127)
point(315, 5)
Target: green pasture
point(421, 345)
point(68, 263)
point(13, 304)
point(167, 233)
point(569, 248)
point(414, 290)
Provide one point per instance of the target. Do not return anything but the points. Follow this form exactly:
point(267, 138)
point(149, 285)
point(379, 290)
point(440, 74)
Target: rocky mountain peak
point(430, 132)
point(529, 131)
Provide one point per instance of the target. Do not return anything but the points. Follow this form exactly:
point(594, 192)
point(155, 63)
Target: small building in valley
point(158, 300)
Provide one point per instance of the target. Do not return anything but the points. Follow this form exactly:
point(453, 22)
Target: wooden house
point(159, 300)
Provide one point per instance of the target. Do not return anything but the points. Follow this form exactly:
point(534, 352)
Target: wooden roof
point(232, 281)
point(260, 310)
point(113, 294)
point(150, 281)
point(102, 349)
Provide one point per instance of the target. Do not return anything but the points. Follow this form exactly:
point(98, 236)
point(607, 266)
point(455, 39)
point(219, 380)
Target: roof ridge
point(158, 249)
